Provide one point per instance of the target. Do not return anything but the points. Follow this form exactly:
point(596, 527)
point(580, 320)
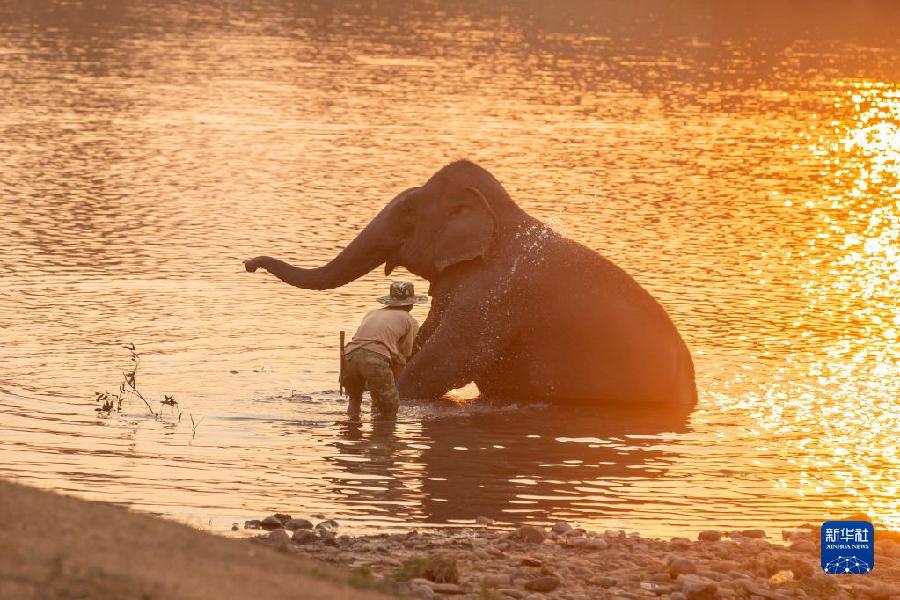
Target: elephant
point(523, 312)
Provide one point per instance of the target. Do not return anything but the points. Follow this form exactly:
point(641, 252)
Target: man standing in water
point(378, 351)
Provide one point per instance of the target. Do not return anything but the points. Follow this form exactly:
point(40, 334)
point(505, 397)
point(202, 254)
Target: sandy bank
point(54, 546)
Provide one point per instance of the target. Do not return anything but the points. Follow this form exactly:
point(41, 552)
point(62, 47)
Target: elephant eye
point(459, 210)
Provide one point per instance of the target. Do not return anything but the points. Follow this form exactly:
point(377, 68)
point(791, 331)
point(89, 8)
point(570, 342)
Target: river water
point(740, 159)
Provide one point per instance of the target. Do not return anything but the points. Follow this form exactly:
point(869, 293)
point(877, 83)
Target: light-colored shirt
point(387, 331)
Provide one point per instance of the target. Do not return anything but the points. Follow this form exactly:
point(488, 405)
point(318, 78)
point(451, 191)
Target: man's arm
point(406, 343)
point(409, 340)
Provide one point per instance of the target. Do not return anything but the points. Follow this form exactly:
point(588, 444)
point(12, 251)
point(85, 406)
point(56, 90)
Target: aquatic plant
point(112, 402)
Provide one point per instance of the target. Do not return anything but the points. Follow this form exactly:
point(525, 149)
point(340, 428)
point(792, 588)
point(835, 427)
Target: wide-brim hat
point(402, 294)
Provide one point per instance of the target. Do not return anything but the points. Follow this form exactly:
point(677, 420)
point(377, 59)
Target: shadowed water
point(740, 159)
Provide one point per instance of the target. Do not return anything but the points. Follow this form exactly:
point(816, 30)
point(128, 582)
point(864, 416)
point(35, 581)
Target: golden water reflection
point(837, 400)
point(741, 163)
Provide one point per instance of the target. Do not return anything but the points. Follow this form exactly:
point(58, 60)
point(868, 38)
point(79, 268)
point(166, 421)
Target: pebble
point(330, 524)
point(422, 592)
point(518, 574)
point(781, 577)
point(295, 524)
point(656, 588)
point(591, 543)
point(794, 535)
point(561, 527)
point(442, 568)
point(887, 548)
point(751, 533)
point(304, 536)
point(724, 566)
point(495, 581)
point(547, 583)
point(710, 535)
point(531, 534)
point(597, 544)
point(271, 522)
point(883, 591)
point(681, 566)
point(254, 524)
point(279, 536)
point(282, 517)
point(484, 520)
point(695, 587)
point(743, 566)
point(800, 567)
point(758, 590)
point(447, 588)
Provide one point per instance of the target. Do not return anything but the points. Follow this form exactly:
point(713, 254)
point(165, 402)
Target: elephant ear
point(468, 232)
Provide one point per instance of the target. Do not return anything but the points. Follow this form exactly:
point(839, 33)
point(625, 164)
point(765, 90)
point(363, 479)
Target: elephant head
point(456, 216)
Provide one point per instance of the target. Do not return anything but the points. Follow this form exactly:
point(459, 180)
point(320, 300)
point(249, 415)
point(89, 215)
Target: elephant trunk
point(374, 244)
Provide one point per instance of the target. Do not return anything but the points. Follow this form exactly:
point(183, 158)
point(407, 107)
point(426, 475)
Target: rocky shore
point(570, 563)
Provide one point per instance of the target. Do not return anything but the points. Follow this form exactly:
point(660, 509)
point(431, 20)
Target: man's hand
point(254, 263)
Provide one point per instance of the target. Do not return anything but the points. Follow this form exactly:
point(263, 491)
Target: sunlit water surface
point(741, 163)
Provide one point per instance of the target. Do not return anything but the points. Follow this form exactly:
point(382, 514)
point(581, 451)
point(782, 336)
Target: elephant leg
point(456, 352)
